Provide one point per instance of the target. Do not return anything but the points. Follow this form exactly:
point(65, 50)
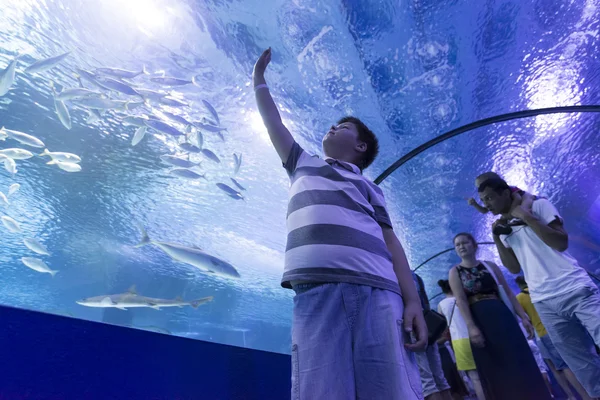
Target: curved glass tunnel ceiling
point(411, 70)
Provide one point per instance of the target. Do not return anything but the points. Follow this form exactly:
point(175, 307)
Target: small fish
point(17, 154)
point(23, 138)
point(209, 128)
point(62, 157)
point(88, 76)
point(190, 148)
point(102, 104)
point(9, 164)
point(10, 224)
point(162, 127)
point(198, 139)
point(186, 173)
point(151, 94)
point(135, 121)
point(138, 135)
point(4, 199)
point(37, 265)
point(46, 64)
point(35, 246)
point(7, 76)
point(14, 188)
point(178, 162)
point(169, 81)
point(177, 118)
point(212, 111)
point(65, 166)
point(192, 256)
point(93, 116)
point(172, 102)
point(237, 162)
point(210, 155)
point(236, 183)
point(231, 192)
point(120, 73)
point(76, 93)
point(117, 86)
point(63, 113)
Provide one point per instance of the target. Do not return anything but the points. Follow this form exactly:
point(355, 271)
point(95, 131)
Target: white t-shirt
point(458, 326)
point(548, 272)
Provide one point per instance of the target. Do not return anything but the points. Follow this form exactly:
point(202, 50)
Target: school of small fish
point(106, 88)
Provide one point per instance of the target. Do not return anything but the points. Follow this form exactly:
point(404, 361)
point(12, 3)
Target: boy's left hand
point(415, 322)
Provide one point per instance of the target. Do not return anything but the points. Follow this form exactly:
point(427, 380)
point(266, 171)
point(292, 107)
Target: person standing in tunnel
point(357, 314)
point(506, 366)
point(433, 381)
point(561, 291)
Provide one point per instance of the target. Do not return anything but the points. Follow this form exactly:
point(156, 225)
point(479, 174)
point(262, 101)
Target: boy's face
point(342, 141)
point(497, 203)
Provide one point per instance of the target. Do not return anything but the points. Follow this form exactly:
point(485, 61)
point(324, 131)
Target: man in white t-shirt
point(562, 292)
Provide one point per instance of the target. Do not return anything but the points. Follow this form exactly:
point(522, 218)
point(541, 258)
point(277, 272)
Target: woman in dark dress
point(506, 366)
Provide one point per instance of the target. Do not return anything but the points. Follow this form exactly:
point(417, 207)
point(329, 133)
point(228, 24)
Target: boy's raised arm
point(280, 136)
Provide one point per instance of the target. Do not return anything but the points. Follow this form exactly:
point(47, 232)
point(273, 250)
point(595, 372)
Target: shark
point(131, 299)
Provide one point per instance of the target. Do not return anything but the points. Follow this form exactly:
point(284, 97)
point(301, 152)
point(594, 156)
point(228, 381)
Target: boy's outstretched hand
point(261, 64)
point(414, 322)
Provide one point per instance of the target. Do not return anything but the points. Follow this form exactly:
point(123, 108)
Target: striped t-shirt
point(334, 222)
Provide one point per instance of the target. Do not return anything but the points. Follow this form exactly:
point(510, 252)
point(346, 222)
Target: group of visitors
point(358, 327)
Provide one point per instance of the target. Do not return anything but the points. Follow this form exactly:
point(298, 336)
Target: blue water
point(410, 70)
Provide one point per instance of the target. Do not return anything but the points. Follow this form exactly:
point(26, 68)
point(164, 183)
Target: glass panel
point(410, 70)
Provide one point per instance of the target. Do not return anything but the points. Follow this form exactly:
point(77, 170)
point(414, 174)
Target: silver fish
point(212, 111)
point(4, 199)
point(23, 138)
point(209, 128)
point(135, 121)
point(35, 246)
point(102, 104)
point(117, 86)
point(138, 135)
point(88, 76)
point(231, 192)
point(65, 165)
point(9, 164)
point(76, 93)
point(46, 64)
point(162, 127)
point(178, 162)
point(16, 153)
point(63, 113)
point(177, 118)
point(236, 183)
point(10, 224)
point(186, 173)
point(151, 94)
point(237, 162)
point(190, 148)
point(119, 73)
point(192, 256)
point(131, 299)
point(61, 156)
point(93, 116)
point(172, 102)
point(170, 81)
point(7, 76)
point(210, 155)
point(14, 188)
point(37, 265)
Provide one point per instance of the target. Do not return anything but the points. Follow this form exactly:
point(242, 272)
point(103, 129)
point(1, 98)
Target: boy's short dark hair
point(367, 136)
point(498, 185)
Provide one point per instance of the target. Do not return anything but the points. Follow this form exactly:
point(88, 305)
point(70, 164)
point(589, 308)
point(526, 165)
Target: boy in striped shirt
point(356, 309)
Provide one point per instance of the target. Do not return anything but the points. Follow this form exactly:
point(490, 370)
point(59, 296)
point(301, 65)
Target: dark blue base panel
point(45, 356)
